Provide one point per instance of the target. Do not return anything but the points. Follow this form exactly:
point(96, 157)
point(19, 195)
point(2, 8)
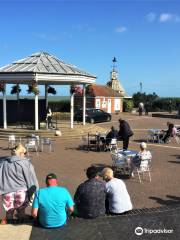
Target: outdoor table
point(96, 140)
point(129, 155)
point(154, 132)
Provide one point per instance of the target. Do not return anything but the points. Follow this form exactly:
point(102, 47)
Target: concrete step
point(67, 133)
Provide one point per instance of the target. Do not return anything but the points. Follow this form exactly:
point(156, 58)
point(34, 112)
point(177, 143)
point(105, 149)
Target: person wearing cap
point(117, 195)
point(17, 176)
point(90, 196)
point(50, 204)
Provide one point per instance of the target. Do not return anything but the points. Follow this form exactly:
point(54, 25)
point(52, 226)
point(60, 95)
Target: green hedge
point(61, 116)
point(60, 106)
point(155, 102)
point(166, 104)
point(128, 105)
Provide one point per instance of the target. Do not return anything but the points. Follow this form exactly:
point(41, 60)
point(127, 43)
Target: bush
point(61, 116)
point(144, 98)
point(128, 105)
point(60, 106)
point(166, 104)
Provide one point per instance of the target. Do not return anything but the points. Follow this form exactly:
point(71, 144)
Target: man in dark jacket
point(90, 196)
point(125, 133)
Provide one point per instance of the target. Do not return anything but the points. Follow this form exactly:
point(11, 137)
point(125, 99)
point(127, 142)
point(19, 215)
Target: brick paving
point(68, 162)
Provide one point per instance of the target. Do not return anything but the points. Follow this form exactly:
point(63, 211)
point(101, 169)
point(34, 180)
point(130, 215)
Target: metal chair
point(143, 168)
point(92, 142)
point(113, 144)
point(153, 135)
point(120, 163)
point(11, 141)
point(46, 142)
point(32, 144)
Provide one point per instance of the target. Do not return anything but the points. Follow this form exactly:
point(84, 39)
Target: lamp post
point(140, 87)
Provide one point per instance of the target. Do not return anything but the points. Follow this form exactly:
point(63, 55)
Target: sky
point(144, 36)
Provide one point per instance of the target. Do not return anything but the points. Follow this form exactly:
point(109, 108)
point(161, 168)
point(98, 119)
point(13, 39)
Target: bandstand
point(43, 69)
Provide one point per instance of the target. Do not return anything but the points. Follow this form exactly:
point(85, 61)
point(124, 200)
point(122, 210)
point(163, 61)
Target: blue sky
point(144, 36)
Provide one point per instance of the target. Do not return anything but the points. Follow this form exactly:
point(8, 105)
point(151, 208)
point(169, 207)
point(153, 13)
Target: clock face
point(114, 75)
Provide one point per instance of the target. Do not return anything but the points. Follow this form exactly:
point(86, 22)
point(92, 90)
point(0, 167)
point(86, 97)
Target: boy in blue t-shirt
point(51, 204)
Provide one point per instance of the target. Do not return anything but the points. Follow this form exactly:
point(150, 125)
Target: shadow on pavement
point(171, 201)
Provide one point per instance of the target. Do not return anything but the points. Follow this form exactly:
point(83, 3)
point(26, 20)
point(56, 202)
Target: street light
point(140, 87)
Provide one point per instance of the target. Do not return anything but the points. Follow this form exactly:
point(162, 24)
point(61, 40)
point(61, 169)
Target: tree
point(143, 97)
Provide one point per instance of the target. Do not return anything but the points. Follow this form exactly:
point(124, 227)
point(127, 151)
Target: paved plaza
point(69, 161)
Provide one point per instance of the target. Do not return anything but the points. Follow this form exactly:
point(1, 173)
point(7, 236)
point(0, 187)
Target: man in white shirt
point(117, 195)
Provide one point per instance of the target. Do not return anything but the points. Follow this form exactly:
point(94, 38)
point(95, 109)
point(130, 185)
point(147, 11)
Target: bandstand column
point(84, 104)
point(36, 113)
point(72, 110)
point(46, 94)
point(4, 108)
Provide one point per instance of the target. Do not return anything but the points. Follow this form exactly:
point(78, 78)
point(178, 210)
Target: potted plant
point(33, 89)
point(2, 87)
point(76, 89)
point(51, 90)
point(89, 90)
point(15, 89)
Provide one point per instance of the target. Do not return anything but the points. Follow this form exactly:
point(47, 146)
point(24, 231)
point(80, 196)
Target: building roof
point(42, 67)
point(103, 91)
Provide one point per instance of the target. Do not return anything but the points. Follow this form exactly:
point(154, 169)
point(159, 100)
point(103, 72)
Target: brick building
point(101, 97)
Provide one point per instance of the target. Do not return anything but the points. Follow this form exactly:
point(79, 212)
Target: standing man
point(50, 204)
point(141, 108)
point(49, 118)
point(147, 108)
point(125, 133)
point(90, 196)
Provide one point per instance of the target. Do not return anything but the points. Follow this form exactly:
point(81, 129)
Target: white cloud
point(165, 17)
point(121, 29)
point(168, 17)
point(83, 28)
point(151, 17)
point(44, 36)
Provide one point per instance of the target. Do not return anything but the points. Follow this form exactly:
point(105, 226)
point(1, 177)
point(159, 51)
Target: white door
point(109, 106)
point(117, 104)
point(98, 103)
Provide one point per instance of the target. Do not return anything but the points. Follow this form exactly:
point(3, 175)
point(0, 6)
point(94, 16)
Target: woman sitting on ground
point(118, 199)
point(17, 175)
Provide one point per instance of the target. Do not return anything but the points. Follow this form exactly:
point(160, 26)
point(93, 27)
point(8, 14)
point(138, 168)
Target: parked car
point(92, 115)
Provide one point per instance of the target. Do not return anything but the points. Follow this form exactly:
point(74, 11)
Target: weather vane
point(114, 63)
point(114, 60)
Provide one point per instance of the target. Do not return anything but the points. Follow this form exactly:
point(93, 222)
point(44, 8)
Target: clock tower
point(114, 83)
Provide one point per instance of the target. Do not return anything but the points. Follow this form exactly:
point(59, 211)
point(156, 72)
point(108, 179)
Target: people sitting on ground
point(51, 204)
point(112, 134)
point(118, 199)
point(171, 132)
point(17, 176)
point(90, 196)
point(124, 133)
